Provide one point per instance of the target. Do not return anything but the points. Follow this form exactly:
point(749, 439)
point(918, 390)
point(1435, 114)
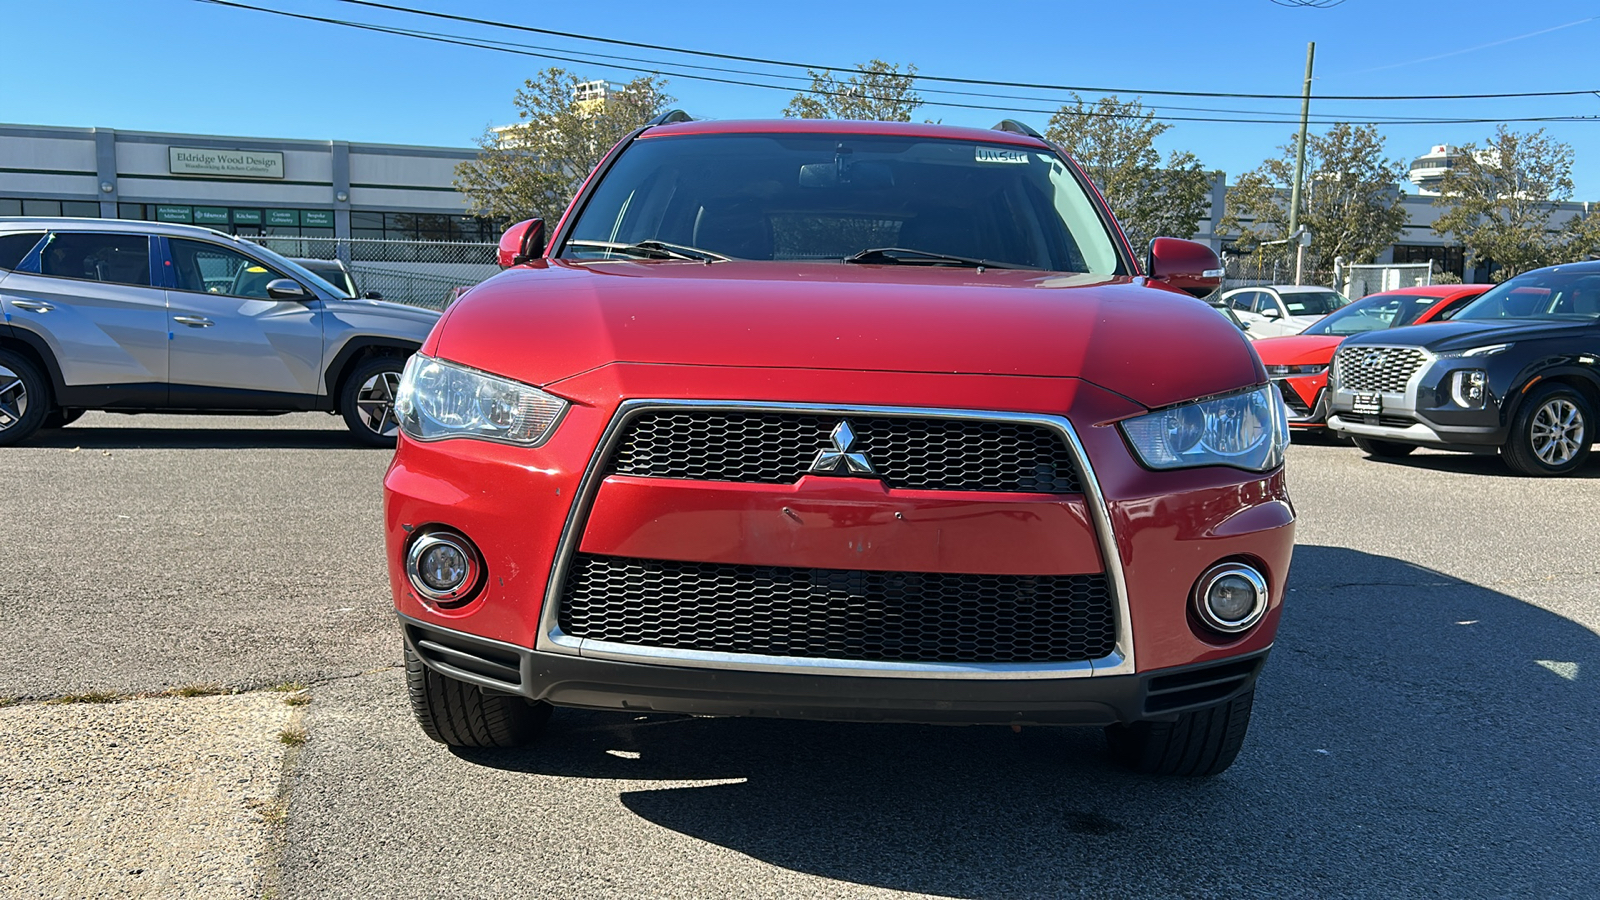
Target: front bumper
point(611, 685)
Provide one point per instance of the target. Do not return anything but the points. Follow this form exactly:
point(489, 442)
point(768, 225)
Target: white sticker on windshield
point(997, 155)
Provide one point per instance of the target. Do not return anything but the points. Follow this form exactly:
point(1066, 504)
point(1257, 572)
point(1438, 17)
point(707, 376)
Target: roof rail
point(670, 117)
point(1015, 127)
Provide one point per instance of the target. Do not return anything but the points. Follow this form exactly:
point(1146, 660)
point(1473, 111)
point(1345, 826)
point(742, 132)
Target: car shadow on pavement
point(1414, 734)
point(89, 438)
point(1476, 464)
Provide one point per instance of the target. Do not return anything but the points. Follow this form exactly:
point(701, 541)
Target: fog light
point(1231, 598)
point(443, 566)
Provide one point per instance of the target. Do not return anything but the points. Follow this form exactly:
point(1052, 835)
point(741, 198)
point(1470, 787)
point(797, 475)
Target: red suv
point(848, 421)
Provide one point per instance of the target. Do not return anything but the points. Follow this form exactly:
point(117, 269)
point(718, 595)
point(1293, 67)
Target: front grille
point(907, 452)
point(1377, 368)
point(1291, 399)
point(838, 614)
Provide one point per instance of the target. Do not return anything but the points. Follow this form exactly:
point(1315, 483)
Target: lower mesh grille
point(838, 614)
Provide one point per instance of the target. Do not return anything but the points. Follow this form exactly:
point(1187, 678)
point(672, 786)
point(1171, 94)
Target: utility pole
point(1300, 160)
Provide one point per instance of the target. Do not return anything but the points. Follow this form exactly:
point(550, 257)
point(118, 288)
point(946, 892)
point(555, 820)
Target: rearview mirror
point(521, 243)
point(287, 289)
point(1189, 266)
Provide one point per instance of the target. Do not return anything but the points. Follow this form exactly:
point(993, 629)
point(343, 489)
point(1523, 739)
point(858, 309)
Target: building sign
point(283, 217)
point(210, 215)
point(228, 163)
point(247, 217)
point(174, 213)
point(316, 218)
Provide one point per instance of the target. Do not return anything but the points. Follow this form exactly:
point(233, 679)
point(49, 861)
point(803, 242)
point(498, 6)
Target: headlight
point(1247, 431)
point(1317, 369)
point(1488, 350)
point(440, 400)
point(1469, 388)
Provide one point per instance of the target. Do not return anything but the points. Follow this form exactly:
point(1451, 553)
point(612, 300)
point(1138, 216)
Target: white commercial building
point(247, 186)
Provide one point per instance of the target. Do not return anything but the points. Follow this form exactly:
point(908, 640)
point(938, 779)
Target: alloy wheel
point(375, 403)
point(1557, 432)
point(13, 398)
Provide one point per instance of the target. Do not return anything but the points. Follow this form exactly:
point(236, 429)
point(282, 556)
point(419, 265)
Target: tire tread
point(459, 714)
point(1199, 744)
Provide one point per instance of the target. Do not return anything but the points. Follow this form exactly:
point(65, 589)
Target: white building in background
point(241, 185)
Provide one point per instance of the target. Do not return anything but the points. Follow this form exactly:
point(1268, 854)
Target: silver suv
point(143, 317)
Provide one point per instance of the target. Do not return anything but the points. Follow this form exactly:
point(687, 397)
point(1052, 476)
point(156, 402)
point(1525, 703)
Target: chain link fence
point(1253, 269)
point(1370, 279)
point(419, 273)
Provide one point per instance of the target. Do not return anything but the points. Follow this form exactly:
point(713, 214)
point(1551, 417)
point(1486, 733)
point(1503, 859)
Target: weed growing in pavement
point(197, 690)
point(299, 698)
point(7, 701)
point(89, 697)
point(292, 737)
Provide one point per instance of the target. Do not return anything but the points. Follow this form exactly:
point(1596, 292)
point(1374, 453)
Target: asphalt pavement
point(1426, 725)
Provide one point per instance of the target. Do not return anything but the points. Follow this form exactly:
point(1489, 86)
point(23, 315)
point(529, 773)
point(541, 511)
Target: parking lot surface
point(1425, 726)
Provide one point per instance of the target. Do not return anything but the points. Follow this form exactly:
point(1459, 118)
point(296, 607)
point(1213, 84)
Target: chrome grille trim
point(1377, 368)
point(551, 639)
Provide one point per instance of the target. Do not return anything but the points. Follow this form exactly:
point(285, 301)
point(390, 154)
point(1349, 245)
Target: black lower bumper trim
point(563, 680)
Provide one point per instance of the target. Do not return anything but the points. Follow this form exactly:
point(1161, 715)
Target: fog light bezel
point(470, 583)
point(1209, 579)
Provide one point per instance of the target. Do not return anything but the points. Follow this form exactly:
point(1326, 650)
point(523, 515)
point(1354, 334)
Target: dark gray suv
point(146, 317)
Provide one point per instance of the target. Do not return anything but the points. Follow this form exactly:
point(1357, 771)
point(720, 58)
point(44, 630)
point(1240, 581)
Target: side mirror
point(288, 289)
point(1270, 312)
point(372, 295)
point(522, 242)
point(1189, 266)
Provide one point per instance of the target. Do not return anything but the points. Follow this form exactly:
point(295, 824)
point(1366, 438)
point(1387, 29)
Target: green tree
point(535, 167)
point(878, 91)
point(1500, 199)
point(1114, 142)
point(1349, 201)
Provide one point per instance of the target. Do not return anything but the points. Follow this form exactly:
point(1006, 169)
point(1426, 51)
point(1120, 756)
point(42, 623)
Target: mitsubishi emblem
point(828, 462)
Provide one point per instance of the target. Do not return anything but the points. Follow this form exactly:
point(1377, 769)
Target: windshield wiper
point(655, 250)
point(901, 255)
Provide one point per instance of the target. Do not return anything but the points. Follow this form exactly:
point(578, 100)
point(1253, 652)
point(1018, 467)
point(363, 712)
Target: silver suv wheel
point(13, 398)
point(1557, 432)
point(375, 403)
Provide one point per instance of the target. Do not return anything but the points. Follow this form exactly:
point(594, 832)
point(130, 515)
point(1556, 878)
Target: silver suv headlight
point(1246, 430)
point(440, 400)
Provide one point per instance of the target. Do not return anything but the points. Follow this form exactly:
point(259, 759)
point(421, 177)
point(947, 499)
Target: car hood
point(554, 319)
point(1297, 349)
point(1464, 334)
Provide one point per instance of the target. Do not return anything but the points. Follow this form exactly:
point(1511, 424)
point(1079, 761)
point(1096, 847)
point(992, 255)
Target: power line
point(393, 7)
point(541, 53)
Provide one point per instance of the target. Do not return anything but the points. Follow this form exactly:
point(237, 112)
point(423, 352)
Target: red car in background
point(1298, 364)
point(831, 420)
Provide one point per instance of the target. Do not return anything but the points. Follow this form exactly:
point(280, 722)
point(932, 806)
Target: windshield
point(330, 272)
point(1373, 314)
point(288, 265)
point(1550, 294)
point(1312, 303)
point(828, 197)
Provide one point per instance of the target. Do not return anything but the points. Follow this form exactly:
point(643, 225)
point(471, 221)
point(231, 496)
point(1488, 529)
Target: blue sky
point(180, 65)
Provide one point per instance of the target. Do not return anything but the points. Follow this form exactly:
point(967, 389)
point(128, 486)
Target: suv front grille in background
point(838, 614)
point(1377, 368)
point(778, 448)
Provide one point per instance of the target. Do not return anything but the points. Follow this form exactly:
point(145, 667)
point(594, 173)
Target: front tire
point(1384, 449)
point(1551, 434)
point(367, 401)
point(1199, 744)
point(464, 715)
point(24, 399)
